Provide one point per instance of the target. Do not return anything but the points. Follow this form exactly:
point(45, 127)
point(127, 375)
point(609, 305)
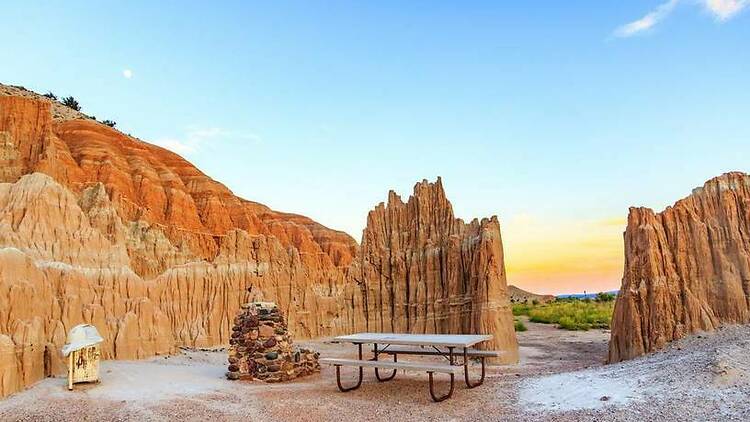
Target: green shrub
point(51, 96)
point(567, 322)
point(518, 325)
point(109, 123)
point(574, 315)
point(569, 313)
point(71, 103)
point(521, 309)
point(567, 299)
point(605, 297)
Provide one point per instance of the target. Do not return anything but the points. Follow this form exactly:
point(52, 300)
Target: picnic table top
point(444, 340)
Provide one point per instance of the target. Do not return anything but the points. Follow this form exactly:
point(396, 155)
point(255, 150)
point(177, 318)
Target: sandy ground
point(561, 376)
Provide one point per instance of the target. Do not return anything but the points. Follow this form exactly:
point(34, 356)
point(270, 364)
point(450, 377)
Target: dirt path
point(560, 377)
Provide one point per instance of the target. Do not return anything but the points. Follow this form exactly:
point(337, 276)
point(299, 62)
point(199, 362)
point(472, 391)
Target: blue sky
point(556, 116)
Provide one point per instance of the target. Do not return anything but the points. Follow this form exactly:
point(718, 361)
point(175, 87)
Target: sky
point(555, 116)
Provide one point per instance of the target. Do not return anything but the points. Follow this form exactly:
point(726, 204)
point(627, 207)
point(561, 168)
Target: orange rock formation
point(102, 228)
point(687, 269)
point(424, 271)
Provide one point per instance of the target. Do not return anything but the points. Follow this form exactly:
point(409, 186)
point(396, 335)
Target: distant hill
point(586, 295)
point(520, 296)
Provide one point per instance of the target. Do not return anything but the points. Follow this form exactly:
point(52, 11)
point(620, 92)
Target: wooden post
point(71, 358)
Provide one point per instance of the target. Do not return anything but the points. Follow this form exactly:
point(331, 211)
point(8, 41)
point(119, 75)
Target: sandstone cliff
point(422, 270)
point(687, 268)
point(99, 227)
point(102, 228)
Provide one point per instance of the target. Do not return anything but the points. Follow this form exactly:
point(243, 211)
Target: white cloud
point(196, 137)
point(175, 145)
point(721, 9)
point(192, 140)
point(127, 73)
point(647, 22)
point(725, 9)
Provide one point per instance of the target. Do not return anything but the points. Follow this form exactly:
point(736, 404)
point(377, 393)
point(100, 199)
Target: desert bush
point(519, 326)
point(605, 297)
point(521, 309)
point(71, 103)
point(574, 315)
point(568, 323)
point(109, 123)
point(51, 96)
point(569, 313)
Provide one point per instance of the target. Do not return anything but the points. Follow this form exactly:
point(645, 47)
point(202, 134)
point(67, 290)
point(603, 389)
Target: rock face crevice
point(98, 227)
point(687, 269)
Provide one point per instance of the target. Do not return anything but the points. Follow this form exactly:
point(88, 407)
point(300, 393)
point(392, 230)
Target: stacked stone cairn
point(260, 347)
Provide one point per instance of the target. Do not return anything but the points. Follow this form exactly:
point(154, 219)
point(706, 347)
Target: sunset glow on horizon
point(564, 256)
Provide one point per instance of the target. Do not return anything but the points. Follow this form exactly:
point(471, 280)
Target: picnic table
point(444, 345)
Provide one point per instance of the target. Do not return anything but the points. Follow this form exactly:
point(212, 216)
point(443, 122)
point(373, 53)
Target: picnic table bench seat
point(407, 366)
point(472, 353)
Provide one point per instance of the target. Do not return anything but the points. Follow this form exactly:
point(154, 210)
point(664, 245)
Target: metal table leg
point(338, 375)
point(377, 374)
point(432, 390)
point(466, 371)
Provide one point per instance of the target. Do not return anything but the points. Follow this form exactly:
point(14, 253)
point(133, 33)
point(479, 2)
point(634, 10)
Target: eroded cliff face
point(98, 227)
point(424, 271)
point(687, 269)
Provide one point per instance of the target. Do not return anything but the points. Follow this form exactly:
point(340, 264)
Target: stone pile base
point(261, 348)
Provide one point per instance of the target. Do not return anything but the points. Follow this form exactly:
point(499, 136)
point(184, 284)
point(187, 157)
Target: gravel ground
point(561, 377)
point(704, 377)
